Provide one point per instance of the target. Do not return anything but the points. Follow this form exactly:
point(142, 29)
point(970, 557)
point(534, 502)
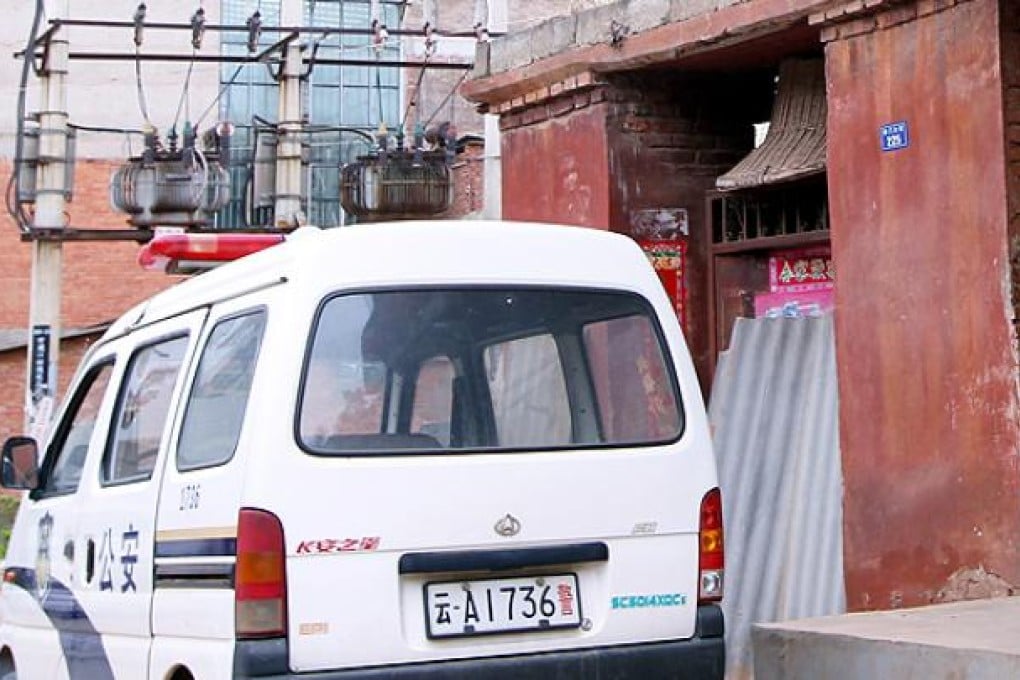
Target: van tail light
point(710, 552)
point(260, 581)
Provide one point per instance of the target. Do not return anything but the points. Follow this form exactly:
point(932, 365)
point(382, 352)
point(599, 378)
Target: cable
point(111, 130)
point(378, 88)
point(139, 19)
point(223, 89)
point(13, 204)
point(185, 91)
point(141, 91)
point(417, 91)
point(199, 194)
point(450, 94)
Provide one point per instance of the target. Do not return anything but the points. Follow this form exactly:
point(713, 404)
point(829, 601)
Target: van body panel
point(372, 612)
point(115, 509)
point(196, 517)
point(213, 656)
point(391, 530)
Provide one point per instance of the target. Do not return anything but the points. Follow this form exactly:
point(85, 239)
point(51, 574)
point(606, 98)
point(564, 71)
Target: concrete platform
point(977, 640)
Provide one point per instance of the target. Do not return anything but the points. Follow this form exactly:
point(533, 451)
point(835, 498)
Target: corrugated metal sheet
point(774, 414)
point(795, 144)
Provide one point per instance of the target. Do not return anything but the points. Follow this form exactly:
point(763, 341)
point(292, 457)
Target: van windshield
point(484, 370)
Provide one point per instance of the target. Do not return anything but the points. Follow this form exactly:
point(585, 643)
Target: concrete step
point(975, 640)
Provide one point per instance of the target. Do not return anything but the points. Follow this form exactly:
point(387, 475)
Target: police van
point(408, 450)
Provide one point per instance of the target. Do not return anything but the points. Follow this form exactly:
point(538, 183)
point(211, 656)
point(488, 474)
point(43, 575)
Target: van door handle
point(69, 551)
point(90, 560)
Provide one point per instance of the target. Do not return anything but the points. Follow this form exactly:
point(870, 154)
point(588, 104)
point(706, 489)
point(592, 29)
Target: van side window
point(529, 395)
point(219, 395)
point(633, 389)
point(72, 443)
point(142, 409)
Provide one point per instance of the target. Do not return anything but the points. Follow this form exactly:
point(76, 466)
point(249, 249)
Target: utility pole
point(47, 253)
point(288, 149)
point(492, 207)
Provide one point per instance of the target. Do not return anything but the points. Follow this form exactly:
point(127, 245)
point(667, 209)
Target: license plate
point(505, 605)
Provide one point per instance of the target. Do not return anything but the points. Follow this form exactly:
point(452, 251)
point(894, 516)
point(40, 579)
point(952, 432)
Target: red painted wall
point(555, 168)
point(927, 364)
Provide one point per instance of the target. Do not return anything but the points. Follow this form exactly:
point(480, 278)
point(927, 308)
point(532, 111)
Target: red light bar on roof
point(166, 252)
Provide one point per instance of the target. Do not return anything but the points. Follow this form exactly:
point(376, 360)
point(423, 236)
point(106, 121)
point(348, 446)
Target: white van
point(413, 450)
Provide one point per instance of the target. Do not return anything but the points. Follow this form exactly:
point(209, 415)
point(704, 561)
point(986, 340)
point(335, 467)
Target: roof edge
point(619, 37)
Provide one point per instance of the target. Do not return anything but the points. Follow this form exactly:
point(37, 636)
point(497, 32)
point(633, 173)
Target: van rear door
point(489, 472)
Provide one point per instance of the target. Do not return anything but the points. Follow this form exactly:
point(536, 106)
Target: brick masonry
point(672, 136)
point(100, 282)
point(12, 380)
point(593, 150)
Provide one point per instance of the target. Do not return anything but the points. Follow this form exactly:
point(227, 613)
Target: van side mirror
point(20, 464)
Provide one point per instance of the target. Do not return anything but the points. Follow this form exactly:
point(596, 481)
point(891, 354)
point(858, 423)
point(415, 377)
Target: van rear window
point(486, 370)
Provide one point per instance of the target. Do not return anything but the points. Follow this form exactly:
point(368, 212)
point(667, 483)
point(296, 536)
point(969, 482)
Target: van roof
point(425, 253)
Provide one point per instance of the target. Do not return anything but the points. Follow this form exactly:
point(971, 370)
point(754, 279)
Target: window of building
point(334, 97)
point(358, 97)
point(249, 93)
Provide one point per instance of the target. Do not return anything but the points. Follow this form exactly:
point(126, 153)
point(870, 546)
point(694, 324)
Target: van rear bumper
point(701, 657)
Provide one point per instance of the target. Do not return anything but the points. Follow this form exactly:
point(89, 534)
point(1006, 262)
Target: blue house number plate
point(895, 136)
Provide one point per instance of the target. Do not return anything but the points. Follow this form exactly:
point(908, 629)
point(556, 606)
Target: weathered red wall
point(555, 162)
point(927, 365)
point(1009, 24)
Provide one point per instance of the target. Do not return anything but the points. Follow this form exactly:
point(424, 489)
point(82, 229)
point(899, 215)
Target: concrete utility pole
point(288, 150)
point(47, 254)
point(495, 20)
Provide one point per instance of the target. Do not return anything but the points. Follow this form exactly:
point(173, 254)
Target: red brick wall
point(101, 280)
point(468, 182)
point(12, 381)
point(925, 342)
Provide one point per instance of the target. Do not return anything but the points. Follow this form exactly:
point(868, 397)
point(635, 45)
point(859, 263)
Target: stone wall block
point(511, 51)
point(642, 15)
point(685, 9)
point(593, 26)
point(564, 32)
